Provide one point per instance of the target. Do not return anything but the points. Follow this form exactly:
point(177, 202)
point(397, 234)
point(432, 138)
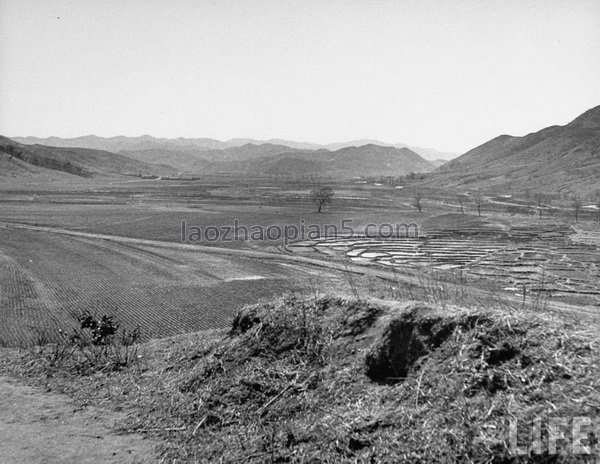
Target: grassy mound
point(335, 380)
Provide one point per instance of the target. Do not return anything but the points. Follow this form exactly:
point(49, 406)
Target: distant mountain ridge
point(364, 161)
point(368, 160)
point(555, 159)
point(120, 142)
point(147, 142)
point(194, 160)
point(194, 156)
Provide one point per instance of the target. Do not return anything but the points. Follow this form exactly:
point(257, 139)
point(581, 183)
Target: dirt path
point(41, 427)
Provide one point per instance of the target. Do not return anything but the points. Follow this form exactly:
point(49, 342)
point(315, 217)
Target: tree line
point(540, 201)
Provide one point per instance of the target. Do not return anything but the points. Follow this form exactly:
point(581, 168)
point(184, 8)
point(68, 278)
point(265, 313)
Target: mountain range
point(557, 159)
point(264, 159)
point(270, 159)
point(147, 142)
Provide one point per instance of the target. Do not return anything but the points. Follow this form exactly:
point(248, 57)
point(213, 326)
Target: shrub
point(97, 344)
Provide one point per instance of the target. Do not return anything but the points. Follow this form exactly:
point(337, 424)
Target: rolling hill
point(554, 160)
point(365, 161)
point(273, 159)
point(430, 154)
point(37, 160)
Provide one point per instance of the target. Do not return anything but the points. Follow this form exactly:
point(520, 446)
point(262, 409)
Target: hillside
point(555, 159)
point(18, 159)
point(14, 168)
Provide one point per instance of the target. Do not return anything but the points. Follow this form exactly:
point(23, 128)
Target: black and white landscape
point(271, 276)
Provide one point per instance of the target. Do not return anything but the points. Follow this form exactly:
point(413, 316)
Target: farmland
point(521, 258)
point(47, 280)
point(155, 210)
point(153, 279)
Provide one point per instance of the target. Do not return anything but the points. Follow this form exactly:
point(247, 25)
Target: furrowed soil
point(47, 280)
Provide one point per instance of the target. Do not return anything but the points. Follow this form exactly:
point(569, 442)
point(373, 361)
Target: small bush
point(97, 344)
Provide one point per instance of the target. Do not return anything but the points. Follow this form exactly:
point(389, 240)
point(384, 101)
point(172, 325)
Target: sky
point(446, 74)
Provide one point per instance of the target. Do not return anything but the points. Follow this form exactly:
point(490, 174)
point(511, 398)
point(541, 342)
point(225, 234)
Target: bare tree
point(540, 200)
point(461, 197)
point(576, 206)
point(478, 198)
point(321, 196)
point(417, 196)
point(598, 205)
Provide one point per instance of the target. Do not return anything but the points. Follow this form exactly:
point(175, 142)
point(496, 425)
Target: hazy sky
point(443, 74)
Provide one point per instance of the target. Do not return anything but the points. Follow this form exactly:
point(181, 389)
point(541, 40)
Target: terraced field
point(538, 257)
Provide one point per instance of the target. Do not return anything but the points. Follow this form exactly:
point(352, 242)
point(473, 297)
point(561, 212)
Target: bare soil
point(37, 426)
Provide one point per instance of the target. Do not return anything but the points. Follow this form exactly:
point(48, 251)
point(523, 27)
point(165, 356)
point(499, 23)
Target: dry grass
point(336, 380)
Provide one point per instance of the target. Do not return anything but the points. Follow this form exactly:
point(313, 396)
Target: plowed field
point(46, 280)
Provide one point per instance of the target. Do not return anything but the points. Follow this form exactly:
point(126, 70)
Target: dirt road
point(44, 427)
